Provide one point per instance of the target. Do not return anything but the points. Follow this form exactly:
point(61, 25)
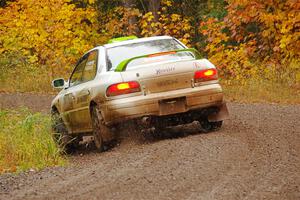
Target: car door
point(69, 99)
point(81, 114)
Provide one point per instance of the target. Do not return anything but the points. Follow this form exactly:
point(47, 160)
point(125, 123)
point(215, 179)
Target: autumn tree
point(243, 38)
point(52, 33)
point(256, 38)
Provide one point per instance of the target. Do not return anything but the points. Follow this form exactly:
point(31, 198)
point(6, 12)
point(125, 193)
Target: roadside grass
point(26, 142)
point(17, 75)
point(28, 79)
point(261, 91)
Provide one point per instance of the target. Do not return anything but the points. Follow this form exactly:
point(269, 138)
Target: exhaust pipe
point(146, 121)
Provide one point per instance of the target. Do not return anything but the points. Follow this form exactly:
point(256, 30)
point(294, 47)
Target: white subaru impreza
point(155, 82)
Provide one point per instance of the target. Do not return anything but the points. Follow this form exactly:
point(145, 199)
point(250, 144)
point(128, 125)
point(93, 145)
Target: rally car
point(155, 82)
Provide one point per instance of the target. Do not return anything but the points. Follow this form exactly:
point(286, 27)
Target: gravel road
point(254, 156)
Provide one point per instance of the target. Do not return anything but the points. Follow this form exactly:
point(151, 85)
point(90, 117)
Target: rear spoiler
point(122, 66)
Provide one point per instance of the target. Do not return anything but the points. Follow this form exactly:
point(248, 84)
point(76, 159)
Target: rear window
point(116, 55)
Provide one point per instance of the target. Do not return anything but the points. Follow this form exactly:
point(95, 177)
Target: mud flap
point(221, 115)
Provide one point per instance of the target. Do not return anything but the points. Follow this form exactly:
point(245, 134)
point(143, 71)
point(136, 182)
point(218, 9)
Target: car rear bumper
point(118, 110)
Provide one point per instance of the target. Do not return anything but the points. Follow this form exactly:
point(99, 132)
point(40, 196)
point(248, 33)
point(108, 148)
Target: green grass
point(26, 142)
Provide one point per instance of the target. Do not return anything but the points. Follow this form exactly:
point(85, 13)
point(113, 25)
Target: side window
point(90, 69)
point(76, 76)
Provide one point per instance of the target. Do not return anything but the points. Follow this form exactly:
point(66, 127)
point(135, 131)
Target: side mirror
point(58, 83)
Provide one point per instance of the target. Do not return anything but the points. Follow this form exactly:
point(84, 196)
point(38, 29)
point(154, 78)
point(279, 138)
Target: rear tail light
point(206, 75)
point(123, 88)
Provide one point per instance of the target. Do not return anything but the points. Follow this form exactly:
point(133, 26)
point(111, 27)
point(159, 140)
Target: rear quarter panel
point(100, 84)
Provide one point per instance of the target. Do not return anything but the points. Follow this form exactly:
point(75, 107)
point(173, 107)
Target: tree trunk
point(129, 3)
point(132, 28)
point(3, 3)
point(153, 6)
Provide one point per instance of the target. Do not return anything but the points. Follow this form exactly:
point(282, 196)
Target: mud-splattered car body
point(154, 81)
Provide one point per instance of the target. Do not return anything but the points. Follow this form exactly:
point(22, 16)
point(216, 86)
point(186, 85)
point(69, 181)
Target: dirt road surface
point(254, 156)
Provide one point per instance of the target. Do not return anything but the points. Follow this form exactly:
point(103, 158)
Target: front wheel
point(60, 134)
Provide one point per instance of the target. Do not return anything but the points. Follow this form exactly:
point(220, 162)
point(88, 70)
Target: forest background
point(254, 44)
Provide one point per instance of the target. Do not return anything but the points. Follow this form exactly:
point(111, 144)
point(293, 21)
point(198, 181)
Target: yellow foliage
point(169, 23)
point(48, 32)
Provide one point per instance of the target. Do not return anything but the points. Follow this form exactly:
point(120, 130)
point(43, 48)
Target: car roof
point(138, 40)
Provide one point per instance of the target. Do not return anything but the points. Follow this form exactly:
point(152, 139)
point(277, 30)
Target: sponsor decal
point(163, 71)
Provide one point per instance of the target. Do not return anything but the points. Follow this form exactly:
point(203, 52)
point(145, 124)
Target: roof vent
point(120, 39)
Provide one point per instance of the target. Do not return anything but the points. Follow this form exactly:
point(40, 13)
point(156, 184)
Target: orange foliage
point(278, 24)
point(117, 22)
point(255, 38)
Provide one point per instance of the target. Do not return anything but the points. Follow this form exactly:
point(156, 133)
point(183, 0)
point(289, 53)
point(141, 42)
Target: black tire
point(65, 141)
point(207, 126)
point(99, 128)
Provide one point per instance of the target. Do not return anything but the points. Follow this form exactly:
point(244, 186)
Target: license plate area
point(172, 106)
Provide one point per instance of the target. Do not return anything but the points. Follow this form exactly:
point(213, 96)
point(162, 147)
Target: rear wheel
point(64, 140)
point(208, 126)
point(99, 128)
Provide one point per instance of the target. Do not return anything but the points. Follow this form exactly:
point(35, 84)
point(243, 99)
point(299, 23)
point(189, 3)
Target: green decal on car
point(122, 66)
point(120, 39)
